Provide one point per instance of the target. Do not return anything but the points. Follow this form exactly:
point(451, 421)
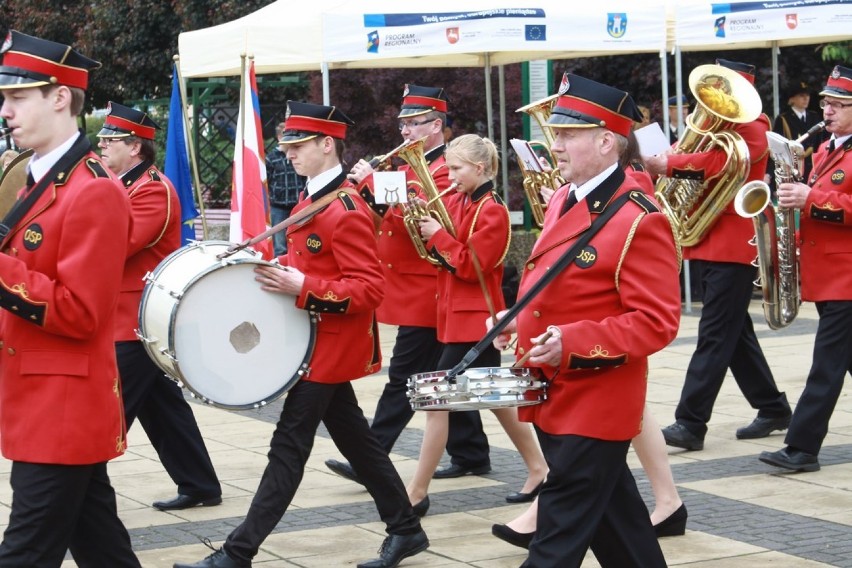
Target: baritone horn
point(724, 99)
point(534, 181)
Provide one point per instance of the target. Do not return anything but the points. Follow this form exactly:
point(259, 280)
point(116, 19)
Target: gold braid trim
point(627, 246)
point(476, 217)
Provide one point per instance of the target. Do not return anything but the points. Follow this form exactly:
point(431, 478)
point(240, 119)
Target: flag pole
point(191, 147)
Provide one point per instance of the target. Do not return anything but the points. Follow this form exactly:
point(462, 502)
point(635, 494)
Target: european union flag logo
point(373, 42)
point(535, 32)
point(719, 26)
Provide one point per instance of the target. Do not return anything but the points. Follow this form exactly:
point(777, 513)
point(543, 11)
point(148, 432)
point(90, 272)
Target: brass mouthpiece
point(5, 131)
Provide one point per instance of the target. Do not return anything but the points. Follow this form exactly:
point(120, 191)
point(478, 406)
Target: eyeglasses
point(413, 123)
point(834, 105)
point(105, 142)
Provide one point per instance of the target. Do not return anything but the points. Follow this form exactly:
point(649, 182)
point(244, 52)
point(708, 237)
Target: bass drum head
point(237, 346)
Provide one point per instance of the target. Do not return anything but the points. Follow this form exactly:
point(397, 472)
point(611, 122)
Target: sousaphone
point(13, 178)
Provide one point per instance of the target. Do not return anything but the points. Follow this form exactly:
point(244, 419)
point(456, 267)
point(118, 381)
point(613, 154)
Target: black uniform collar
point(599, 198)
point(435, 153)
point(136, 172)
point(482, 191)
point(329, 187)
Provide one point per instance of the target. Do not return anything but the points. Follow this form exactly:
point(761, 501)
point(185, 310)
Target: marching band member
point(823, 243)
point(482, 228)
point(606, 313)
point(409, 301)
point(726, 338)
point(331, 268)
point(64, 247)
point(127, 148)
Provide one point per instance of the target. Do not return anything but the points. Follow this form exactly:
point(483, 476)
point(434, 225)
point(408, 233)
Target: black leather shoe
point(520, 497)
point(678, 436)
point(421, 508)
point(792, 459)
point(674, 524)
point(762, 427)
point(218, 559)
point(395, 548)
point(513, 537)
point(344, 470)
point(187, 502)
point(454, 470)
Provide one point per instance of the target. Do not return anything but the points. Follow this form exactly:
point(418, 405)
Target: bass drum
point(207, 324)
point(477, 389)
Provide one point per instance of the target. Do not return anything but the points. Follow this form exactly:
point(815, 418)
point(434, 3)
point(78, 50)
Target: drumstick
point(478, 268)
point(526, 356)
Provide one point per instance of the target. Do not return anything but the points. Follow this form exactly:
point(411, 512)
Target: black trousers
point(417, 350)
point(726, 339)
point(60, 507)
point(831, 361)
point(167, 419)
point(590, 499)
point(467, 425)
point(307, 404)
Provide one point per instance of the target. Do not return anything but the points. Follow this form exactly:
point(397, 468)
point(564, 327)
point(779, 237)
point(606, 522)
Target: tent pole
point(489, 113)
point(664, 72)
point(326, 91)
point(776, 94)
point(687, 280)
point(504, 139)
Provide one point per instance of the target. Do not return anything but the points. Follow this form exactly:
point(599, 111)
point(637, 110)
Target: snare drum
point(207, 324)
point(477, 389)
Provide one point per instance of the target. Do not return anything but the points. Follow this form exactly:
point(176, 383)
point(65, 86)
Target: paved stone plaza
point(742, 513)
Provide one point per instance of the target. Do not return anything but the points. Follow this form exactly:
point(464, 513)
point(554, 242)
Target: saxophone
point(724, 98)
point(775, 231)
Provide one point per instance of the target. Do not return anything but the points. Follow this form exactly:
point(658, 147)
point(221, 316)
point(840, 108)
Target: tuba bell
point(724, 98)
point(533, 181)
point(775, 231)
point(413, 155)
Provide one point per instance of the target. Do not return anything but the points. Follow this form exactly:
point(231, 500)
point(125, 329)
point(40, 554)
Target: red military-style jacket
point(156, 234)
point(60, 275)
point(481, 222)
point(336, 251)
point(728, 240)
point(615, 305)
point(825, 227)
point(410, 281)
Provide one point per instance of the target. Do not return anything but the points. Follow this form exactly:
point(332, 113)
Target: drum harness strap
point(561, 264)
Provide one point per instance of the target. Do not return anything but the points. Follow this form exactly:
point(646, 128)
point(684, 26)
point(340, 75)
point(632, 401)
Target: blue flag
point(176, 166)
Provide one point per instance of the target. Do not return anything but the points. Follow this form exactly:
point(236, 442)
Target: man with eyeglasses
point(127, 148)
point(825, 266)
point(410, 289)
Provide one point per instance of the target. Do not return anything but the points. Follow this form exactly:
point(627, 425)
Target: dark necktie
point(570, 202)
point(30, 180)
point(831, 146)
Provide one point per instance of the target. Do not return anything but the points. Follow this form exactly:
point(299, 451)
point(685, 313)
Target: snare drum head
point(236, 345)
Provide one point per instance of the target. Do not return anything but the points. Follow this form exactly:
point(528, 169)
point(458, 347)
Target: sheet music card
point(389, 188)
point(652, 140)
point(526, 154)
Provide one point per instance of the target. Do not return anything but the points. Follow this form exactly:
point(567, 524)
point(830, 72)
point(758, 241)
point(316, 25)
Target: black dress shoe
point(674, 524)
point(520, 497)
point(762, 427)
point(187, 502)
point(395, 548)
point(218, 559)
point(678, 436)
point(344, 470)
point(792, 459)
point(513, 537)
point(455, 470)
point(421, 508)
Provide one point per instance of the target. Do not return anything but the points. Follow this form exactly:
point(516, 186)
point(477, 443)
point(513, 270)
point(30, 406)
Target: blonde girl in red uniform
point(481, 224)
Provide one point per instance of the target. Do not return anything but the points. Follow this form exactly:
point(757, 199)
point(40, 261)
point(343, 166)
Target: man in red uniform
point(607, 312)
point(330, 268)
point(726, 338)
point(127, 148)
point(64, 245)
point(826, 273)
point(410, 289)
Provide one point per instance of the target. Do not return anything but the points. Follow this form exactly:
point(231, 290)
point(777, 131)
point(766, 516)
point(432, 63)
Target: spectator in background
point(676, 119)
point(284, 187)
point(646, 117)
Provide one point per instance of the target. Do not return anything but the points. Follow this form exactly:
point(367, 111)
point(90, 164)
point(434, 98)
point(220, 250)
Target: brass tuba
point(724, 98)
point(775, 231)
point(413, 155)
point(533, 181)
